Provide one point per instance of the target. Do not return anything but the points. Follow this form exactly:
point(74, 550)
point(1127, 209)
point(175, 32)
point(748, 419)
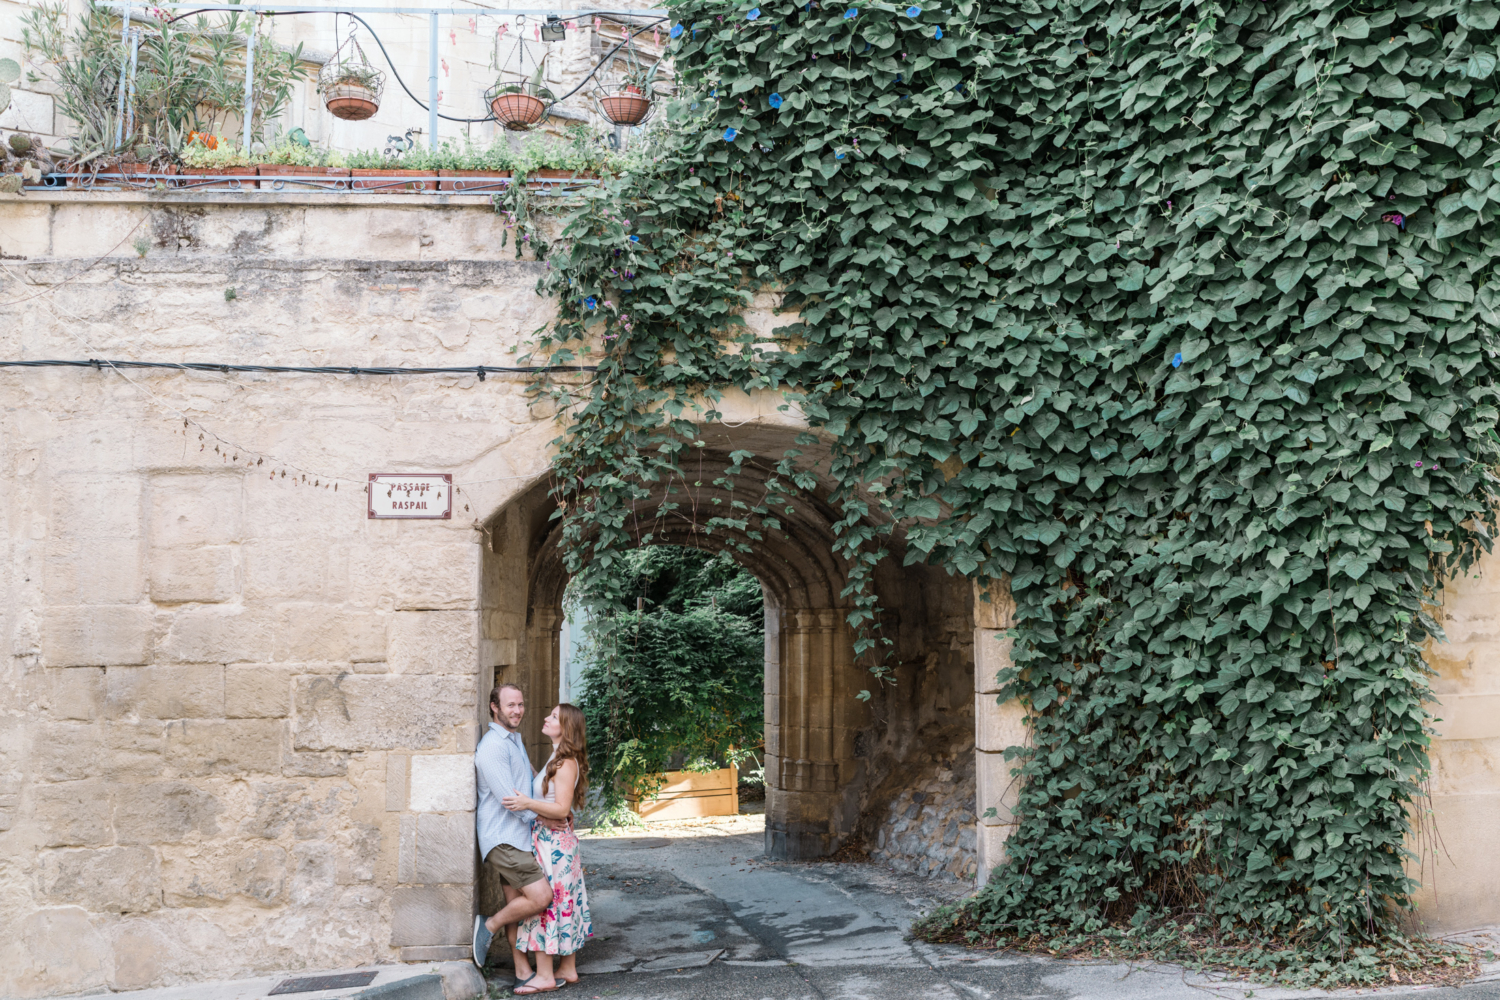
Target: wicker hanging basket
point(350, 86)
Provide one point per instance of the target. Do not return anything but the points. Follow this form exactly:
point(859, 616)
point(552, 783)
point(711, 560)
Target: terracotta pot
point(518, 112)
point(387, 181)
point(625, 109)
point(308, 178)
point(201, 179)
point(352, 109)
point(473, 180)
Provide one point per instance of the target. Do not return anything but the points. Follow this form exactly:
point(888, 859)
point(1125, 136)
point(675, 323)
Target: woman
point(564, 926)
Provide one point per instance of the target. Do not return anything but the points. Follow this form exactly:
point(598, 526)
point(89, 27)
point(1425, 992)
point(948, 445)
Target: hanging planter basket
point(515, 108)
point(350, 86)
point(629, 107)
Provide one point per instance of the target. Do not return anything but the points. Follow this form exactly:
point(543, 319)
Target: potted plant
point(521, 106)
point(544, 160)
point(351, 90)
point(633, 104)
point(473, 169)
point(309, 165)
point(212, 163)
point(372, 171)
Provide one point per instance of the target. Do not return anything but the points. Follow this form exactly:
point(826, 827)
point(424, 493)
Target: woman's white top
point(536, 784)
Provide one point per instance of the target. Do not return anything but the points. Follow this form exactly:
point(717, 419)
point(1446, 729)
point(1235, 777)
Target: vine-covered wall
point(1178, 316)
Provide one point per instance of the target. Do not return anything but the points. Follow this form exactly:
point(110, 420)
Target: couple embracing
point(525, 828)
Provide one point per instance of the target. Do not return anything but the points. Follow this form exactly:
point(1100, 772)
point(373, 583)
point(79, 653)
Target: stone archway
point(815, 776)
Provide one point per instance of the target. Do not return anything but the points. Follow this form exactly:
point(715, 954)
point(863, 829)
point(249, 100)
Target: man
point(503, 768)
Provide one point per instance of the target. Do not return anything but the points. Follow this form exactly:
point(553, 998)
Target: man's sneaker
point(482, 938)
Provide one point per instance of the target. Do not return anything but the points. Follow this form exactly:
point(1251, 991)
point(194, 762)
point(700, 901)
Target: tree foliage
point(678, 683)
point(1177, 315)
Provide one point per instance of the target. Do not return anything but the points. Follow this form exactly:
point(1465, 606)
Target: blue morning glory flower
point(898, 77)
point(729, 134)
point(635, 239)
point(775, 100)
point(1177, 360)
point(914, 12)
point(753, 14)
point(851, 13)
point(838, 156)
point(676, 31)
point(938, 34)
point(590, 302)
point(865, 49)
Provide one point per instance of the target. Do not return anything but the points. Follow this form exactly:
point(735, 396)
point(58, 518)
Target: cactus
point(10, 72)
point(20, 144)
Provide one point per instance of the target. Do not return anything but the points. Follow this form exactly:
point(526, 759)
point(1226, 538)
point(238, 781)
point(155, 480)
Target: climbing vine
point(1179, 317)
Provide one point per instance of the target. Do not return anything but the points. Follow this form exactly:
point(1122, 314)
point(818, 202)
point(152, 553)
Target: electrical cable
point(397, 73)
point(199, 366)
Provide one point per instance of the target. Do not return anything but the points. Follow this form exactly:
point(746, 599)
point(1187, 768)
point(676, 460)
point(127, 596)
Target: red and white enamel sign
point(411, 495)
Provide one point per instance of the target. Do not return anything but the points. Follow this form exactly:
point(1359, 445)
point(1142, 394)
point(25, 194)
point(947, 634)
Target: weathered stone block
point(132, 750)
point(206, 574)
point(75, 814)
point(162, 812)
point(196, 508)
point(999, 725)
point(995, 788)
point(217, 634)
point(95, 571)
point(111, 880)
point(991, 848)
point(311, 633)
point(96, 506)
point(991, 655)
point(75, 693)
point(397, 767)
point(378, 712)
point(204, 875)
point(96, 635)
point(406, 851)
point(65, 751)
point(60, 951)
point(140, 951)
point(433, 642)
point(236, 746)
point(187, 691)
point(445, 848)
point(994, 608)
point(434, 914)
point(294, 570)
point(258, 691)
point(443, 783)
point(10, 801)
point(333, 764)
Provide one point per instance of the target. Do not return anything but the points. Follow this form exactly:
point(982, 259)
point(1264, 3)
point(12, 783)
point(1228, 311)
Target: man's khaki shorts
point(513, 866)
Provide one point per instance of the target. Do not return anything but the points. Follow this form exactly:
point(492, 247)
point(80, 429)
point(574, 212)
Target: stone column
point(812, 718)
point(433, 902)
point(540, 683)
point(997, 725)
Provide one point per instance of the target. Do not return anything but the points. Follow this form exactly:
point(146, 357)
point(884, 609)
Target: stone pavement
point(693, 912)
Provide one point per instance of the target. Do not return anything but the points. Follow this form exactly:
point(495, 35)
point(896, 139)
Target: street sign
point(411, 495)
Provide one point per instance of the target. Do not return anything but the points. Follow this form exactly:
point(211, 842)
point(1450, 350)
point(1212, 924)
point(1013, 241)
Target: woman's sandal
point(525, 989)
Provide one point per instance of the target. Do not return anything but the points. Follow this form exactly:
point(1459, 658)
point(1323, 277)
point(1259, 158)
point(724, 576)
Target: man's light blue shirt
point(503, 768)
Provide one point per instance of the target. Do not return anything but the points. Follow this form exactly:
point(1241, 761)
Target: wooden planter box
point(303, 178)
point(689, 795)
point(459, 181)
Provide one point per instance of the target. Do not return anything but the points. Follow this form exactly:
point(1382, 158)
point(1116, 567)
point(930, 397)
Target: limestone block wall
point(236, 716)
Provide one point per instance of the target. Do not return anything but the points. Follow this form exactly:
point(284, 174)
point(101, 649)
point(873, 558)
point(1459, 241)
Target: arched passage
point(827, 751)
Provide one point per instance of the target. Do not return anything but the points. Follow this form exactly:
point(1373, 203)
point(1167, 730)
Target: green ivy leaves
point(996, 244)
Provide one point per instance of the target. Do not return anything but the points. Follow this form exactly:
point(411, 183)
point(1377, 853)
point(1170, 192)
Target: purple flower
point(1177, 360)
point(1419, 465)
point(1396, 219)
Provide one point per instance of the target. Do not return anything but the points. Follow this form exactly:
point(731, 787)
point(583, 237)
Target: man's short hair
point(495, 692)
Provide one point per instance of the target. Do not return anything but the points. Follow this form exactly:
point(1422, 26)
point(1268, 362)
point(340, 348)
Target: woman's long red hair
point(572, 744)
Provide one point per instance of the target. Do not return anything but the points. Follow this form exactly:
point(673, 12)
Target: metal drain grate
point(310, 984)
